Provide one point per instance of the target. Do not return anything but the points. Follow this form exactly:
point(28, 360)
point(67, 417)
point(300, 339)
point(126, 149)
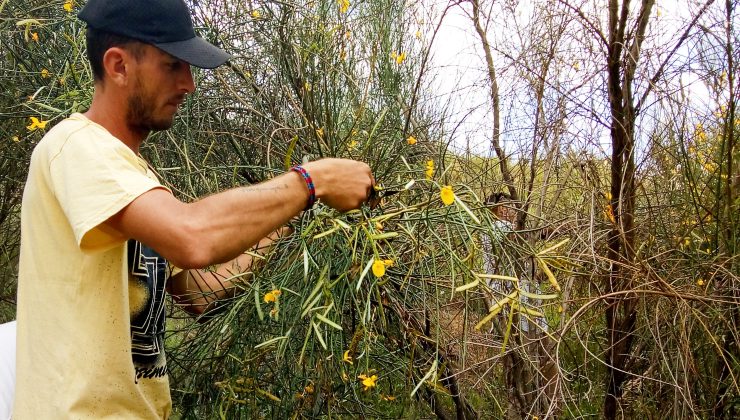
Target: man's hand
point(342, 184)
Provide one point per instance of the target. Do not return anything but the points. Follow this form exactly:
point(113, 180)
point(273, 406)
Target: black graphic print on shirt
point(148, 273)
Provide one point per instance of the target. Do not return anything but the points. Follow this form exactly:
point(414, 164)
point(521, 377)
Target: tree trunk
point(621, 314)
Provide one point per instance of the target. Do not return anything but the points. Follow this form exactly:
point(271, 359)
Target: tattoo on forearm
point(256, 188)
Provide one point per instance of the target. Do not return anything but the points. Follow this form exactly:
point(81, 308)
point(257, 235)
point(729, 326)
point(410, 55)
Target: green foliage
point(44, 75)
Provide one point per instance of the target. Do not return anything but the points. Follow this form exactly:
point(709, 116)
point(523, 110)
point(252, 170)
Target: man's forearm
point(197, 290)
point(220, 227)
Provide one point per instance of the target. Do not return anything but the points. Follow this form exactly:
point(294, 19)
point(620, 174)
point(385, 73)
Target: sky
point(462, 83)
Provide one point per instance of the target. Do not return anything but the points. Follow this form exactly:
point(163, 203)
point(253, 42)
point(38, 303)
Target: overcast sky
point(462, 82)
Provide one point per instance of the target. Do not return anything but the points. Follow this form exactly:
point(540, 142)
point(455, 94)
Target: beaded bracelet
point(309, 184)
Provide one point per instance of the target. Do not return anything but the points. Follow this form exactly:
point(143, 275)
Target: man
point(502, 228)
point(98, 229)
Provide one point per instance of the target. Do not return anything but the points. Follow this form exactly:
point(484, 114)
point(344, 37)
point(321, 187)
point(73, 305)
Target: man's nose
point(186, 80)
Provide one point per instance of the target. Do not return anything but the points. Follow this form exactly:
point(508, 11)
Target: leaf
point(310, 305)
point(289, 153)
point(386, 235)
point(381, 117)
point(271, 341)
point(554, 247)
point(495, 276)
point(523, 309)
point(342, 223)
point(328, 322)
point(432, 371)
point(465, 287)
point(267, 394)
point(548, 273)
point(495, 309)
point(28, 22)
point(257, 302)
point(467, 210)
point(364, 273)
point(326, 233)
point(305, 262)
point(315, 289)
point(536, 296)
point(318, 335)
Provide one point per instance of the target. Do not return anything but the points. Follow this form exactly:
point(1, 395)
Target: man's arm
point(197, 290)
point(220, 227)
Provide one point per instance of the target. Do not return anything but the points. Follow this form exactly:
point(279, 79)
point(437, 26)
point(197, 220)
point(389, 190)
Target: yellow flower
point(700, 134)
point(352, 145)
point(35, 123)
point(68, 5)
point(44, 73)
point(320, 132)
point(347, 358)
point(307, 87)
point(368, 381)
point(430, 169)
point(418, 34)
point(272, 296)
point(35, 36)
point(411, 140)
point(309, 389)
point(256, 14)
point(447, 195)
point(609, 213)
point(16, 139)
point(399, 56)
point(700, 282)
point(388, 263)
point(379, 268)
point(343, 5)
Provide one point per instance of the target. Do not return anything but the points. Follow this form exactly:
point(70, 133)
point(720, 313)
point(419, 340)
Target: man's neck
point(109, 111)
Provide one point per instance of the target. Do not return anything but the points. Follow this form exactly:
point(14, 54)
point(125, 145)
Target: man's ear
point(117, 65)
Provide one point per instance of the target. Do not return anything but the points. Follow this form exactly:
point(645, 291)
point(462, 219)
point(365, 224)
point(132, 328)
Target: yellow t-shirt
point(90, 303)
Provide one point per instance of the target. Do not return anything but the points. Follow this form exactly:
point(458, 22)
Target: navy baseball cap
point(166, 24)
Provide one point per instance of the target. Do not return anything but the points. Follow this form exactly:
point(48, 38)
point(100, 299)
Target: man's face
point(159, 85)
point(505, 211)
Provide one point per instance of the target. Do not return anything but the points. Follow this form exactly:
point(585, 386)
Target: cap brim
point(197, 52)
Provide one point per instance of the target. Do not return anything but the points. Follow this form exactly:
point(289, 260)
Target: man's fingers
point(346, 184)
point(370, 188)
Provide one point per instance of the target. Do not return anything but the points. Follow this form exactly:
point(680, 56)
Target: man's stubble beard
point(140, 112)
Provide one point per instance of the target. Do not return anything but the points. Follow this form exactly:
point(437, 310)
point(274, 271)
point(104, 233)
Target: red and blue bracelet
point(309, 183)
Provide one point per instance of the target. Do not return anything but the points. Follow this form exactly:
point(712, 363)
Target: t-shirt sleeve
point(93, 179)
